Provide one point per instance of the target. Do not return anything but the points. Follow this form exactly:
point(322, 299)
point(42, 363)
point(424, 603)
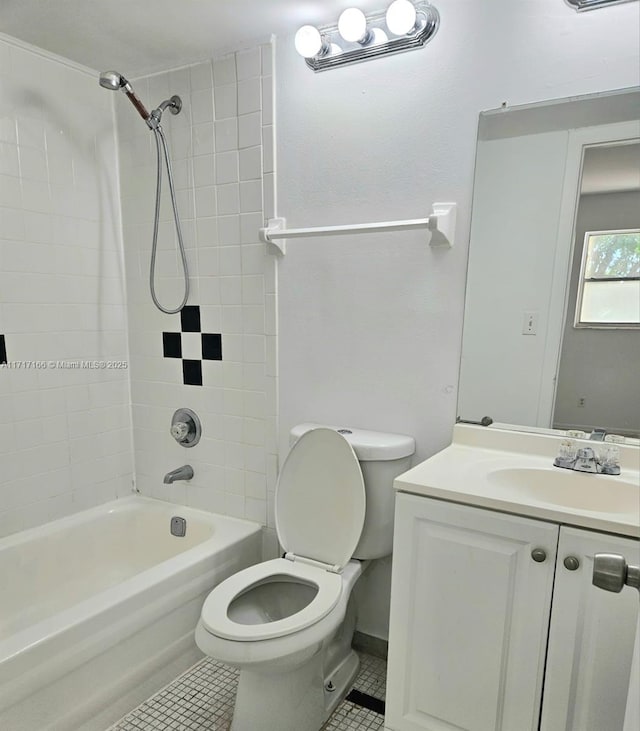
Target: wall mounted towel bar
point(441, 224)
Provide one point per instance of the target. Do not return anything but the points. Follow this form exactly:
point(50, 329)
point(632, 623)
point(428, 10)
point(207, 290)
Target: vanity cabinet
point(477, 596)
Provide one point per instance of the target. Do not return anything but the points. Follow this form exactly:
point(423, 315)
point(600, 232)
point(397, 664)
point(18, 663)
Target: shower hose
point(160, 139)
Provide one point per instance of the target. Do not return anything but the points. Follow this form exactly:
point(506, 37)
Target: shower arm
point(174, 105)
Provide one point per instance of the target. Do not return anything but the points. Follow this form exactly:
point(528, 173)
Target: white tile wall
point(64, 432)
point(221, 144)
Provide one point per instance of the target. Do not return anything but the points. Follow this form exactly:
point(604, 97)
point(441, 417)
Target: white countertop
point(513, 472)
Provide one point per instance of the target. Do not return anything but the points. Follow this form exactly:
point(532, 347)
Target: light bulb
point(352, 25)
point(308, 41)
point(401, 17)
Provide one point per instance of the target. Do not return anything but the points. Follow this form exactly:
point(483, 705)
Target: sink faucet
point(182, 473)
point(598, 435)
point(585, 459)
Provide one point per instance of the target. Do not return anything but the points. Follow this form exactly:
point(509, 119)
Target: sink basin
point(575, 490)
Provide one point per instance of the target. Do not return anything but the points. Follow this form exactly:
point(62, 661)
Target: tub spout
point(182, 473)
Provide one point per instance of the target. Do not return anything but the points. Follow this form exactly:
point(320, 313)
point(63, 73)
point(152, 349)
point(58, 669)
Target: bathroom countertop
point(513, 472)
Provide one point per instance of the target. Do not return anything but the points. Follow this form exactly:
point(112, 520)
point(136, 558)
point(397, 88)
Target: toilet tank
point(382, 458)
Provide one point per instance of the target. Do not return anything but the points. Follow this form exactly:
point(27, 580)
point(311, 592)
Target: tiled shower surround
point(65, 430)
point(69, 193)
point(222, 152)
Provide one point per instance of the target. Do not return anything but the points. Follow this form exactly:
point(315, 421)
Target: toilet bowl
point(287, 623)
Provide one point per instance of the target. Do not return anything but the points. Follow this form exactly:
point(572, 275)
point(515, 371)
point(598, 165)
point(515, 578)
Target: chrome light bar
point(379, 40)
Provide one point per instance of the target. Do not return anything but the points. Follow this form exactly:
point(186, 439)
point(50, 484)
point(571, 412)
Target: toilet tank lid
point(369, 446)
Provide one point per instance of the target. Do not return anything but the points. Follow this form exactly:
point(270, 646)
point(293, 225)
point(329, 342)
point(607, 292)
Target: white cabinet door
point(591, 639)
point(469, 618)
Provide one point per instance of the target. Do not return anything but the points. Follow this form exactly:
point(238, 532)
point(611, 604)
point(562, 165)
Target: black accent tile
point(192, 372)
point(366, 701)
point(172, 345)
point(211, 346)
point(190, 319)
point(3, 350)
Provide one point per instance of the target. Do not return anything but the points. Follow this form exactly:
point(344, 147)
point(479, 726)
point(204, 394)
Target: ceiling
point(611, 169)
point(143, 36)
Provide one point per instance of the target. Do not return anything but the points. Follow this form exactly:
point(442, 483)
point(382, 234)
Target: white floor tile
point(202, 698)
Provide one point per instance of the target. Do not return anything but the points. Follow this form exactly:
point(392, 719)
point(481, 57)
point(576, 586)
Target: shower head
point(113, 81)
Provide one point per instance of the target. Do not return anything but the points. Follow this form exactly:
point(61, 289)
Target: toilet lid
point(320, 498)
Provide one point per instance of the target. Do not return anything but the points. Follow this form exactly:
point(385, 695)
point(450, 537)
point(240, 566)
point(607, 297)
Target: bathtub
point(98, 610)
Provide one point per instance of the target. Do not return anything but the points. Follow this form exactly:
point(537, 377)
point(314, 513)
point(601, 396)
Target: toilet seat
point(215, 616)
point(319, 508)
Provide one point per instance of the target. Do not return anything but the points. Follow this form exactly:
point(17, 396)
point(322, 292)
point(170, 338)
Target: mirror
point(547, 175)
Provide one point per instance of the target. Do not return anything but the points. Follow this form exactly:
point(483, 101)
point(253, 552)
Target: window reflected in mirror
point(609, 292)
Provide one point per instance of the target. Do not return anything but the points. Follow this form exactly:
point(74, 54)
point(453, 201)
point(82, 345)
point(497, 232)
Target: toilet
point(287, 623)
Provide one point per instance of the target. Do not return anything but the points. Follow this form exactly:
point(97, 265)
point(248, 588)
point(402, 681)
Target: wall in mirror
point(546, 175)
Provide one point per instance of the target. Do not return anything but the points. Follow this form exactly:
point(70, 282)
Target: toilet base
point(292, 701)
point(342, 681)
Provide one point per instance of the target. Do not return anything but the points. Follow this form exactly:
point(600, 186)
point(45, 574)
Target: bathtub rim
point(113, 506)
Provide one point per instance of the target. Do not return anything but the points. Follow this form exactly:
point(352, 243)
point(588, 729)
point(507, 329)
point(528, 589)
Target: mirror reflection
point(552, 315)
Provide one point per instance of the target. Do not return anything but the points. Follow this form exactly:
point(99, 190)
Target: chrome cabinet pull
point(611, 572)
point(571, 563)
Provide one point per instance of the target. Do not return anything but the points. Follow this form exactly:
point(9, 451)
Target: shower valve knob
point(186, 428)
point(179, 431)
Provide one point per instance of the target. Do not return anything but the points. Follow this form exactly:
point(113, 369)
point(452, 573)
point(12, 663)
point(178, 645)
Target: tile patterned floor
point(201, 699)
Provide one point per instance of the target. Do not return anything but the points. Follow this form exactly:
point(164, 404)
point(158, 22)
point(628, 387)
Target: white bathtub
point(98, 610)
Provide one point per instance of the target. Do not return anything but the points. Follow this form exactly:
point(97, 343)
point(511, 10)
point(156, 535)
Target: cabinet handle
point(571, 563)
point(612, 572)
point(539, 555)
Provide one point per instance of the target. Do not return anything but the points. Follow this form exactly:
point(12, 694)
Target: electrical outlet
point(581, 402)
point(530, 323)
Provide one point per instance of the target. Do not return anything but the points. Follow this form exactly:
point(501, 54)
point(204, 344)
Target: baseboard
point(370, 644)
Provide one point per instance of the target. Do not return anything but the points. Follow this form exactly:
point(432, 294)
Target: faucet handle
point(179, 431)
point(610, 462)
point(566, 456)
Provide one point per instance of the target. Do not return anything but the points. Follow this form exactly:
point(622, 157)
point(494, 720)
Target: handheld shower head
point(113, 81)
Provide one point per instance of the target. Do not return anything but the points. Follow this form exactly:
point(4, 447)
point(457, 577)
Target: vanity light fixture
point(581, 5)
point(404, 26)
